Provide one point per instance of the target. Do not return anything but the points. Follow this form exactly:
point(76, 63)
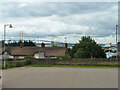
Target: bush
point(115, 56)
point(65, 57)
point(9, 59)
point(17, 64)
point(28, 62)
point(29, 57)
point(10, 64)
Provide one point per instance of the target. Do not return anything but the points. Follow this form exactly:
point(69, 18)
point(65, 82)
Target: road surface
point(0, 80)
point(60, 77)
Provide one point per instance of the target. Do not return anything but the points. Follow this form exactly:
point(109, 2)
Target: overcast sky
point(68, 19)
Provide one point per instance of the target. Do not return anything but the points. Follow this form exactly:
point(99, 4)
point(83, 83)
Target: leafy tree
point(87, 48)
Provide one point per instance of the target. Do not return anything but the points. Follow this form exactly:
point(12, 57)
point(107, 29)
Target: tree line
point(25, 43)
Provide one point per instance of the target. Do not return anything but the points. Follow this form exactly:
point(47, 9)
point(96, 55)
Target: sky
point(45, 20)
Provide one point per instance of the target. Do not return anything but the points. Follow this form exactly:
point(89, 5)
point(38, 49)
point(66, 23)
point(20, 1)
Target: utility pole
point(116, 41)
point(10, 26)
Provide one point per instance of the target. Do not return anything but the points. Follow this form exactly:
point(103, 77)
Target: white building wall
point(110, 54)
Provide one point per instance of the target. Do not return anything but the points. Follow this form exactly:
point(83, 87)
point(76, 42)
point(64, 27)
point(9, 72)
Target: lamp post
point(10, 26)
point(116, 39)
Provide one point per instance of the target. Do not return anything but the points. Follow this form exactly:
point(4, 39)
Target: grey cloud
point(62, 18)
point(48, 9)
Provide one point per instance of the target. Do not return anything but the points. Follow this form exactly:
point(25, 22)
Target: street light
point(116, 40)
point(10, 26)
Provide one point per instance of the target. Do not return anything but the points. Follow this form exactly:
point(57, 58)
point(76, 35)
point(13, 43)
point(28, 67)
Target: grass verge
point(85, 66)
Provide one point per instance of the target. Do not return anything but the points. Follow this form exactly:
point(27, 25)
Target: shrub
point(10, 64)
point(29, 57)
point(17, 64)
point(115, 56)
point(9, 59)
point(65, 57)
point(27, 62)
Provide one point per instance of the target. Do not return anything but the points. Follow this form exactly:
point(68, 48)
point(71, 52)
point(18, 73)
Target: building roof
point(25, 51)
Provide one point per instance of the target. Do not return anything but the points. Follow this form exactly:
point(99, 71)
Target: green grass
point(84, 66)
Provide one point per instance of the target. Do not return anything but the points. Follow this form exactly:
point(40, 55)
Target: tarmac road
point(60, 77)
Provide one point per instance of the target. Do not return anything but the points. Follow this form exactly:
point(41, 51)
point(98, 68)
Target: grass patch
point(85, 66)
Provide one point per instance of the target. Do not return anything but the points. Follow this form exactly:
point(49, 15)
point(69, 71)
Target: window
point(39, 55)
point(21, 57)
point(36, 56)
point(0, 56)
point(11, 57)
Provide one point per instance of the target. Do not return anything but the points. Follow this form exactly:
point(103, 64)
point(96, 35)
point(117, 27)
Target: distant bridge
point(35, 41)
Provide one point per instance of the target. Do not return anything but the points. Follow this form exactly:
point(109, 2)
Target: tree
point(115, 56)
point(25, 43)
point(87, 48)
point(108, 51)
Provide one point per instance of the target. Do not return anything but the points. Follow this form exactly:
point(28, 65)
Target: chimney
point(66, 45)
point(42, 45)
